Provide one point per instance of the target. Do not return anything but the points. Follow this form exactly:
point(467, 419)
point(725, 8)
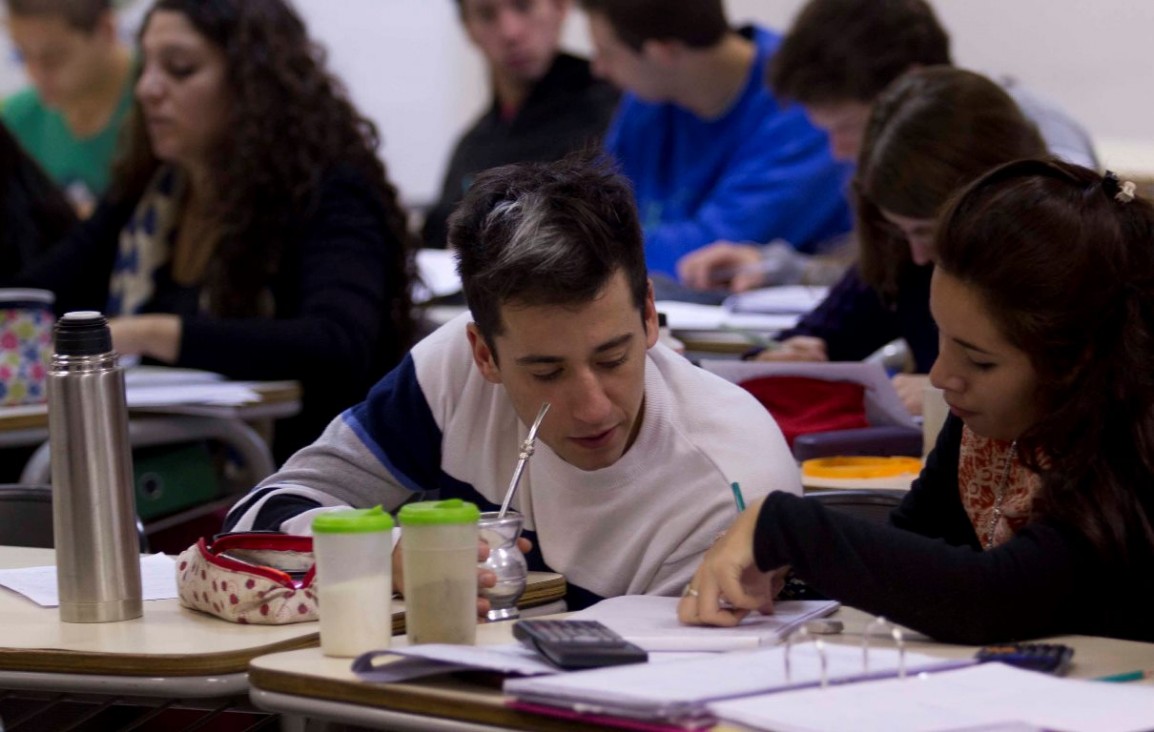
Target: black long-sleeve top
point(854, 320)
point(331, 328)
point(929, 573)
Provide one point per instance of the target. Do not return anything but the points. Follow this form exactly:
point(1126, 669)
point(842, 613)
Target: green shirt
point(80, 166)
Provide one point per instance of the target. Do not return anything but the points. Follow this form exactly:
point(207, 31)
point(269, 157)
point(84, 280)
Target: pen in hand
point(737, 497)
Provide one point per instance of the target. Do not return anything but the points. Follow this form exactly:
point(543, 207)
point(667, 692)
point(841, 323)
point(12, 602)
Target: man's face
point(845, 123)
point(587, 361)
point(519, 38)
point(627, 69)
point(60, 60)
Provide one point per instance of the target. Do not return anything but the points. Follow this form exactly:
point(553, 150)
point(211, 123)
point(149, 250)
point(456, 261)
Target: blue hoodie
point(757, 173)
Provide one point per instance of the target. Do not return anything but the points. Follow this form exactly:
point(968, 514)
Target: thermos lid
point(427, 513)
point(353, 521)
point(82, 333)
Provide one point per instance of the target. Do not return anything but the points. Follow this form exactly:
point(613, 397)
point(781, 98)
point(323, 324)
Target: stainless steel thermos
point(93, 500)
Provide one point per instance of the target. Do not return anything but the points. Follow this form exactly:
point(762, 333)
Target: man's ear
point(106, 27)
point(650, 318)
point(483, 355)
point(665, 53)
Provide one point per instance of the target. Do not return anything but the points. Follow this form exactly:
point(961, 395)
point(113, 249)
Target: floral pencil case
point(259, 578)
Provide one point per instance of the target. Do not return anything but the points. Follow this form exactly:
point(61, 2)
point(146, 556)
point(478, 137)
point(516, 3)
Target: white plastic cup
point(934, 413)
point(439, 543)
point(353, 550)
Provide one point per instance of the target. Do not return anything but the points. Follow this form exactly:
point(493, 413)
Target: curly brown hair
point(291, 123)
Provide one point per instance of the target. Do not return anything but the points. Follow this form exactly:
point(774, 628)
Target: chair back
point(871, 505)
point(26, 517)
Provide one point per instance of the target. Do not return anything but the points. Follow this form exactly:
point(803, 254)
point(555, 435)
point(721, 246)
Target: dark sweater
point(854, 320)
point(331, 328)
point(930, 574)
point(567, 110)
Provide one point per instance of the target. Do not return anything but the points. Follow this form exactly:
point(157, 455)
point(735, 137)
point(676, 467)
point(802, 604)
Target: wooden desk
point(306, 683)
point(169, 652)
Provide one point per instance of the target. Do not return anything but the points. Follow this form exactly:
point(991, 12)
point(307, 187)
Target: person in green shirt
point(81, 73)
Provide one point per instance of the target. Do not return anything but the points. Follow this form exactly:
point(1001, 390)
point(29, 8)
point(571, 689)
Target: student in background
point(1034, 515)
point(711, 153)
point(630, 480)
point(836, 59)
point(33, 212)
point(70, 118)
point(250, 228)
point(546, 103)
point(932, 132)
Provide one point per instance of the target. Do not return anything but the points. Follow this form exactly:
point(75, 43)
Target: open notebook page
point(988, 696)
point(651, 622)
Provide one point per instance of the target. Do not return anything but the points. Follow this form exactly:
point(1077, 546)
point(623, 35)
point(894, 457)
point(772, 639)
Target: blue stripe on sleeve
point(396, 424)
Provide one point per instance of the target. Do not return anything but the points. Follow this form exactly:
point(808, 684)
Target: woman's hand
point(798, 348)
point(728, 573)
point(911, 390)
point(155, 336)
point(722, 264)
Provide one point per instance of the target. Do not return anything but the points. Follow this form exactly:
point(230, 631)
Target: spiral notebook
point(677, 694)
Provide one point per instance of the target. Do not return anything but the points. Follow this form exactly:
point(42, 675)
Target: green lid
point(353, 521)
point(427, 513)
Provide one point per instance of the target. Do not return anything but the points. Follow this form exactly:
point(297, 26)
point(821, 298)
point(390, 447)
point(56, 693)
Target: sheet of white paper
point(692, 316)
point(438, 270)
point(988, 696)
point(882, 403)
point(227, 394)
point(143, 376)
point(651, 622)
point(157, 579)
point(509, 658)
point(788, 299)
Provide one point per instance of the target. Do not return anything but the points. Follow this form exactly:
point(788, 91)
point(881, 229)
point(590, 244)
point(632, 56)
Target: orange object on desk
point(857, 468)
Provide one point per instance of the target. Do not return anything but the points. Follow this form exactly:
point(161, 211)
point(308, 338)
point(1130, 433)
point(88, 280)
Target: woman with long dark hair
point(250, 228)
point(930, 132)
point(1034, 515)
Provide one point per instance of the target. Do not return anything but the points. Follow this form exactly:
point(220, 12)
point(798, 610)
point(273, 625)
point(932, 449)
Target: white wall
point(411, 69)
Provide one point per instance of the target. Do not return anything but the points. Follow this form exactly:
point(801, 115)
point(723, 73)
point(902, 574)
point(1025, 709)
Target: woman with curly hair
point(1034, 515)
point(250, 228)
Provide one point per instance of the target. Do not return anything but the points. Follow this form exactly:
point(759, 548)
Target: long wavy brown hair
point(1063, 259)
point(291, 122)
point(930, 132)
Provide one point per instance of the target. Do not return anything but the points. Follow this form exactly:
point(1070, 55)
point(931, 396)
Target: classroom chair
point(26, 517)
point(870, 505)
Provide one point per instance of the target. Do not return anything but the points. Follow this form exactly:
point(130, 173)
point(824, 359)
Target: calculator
point(577, 644)
point(1051, 658)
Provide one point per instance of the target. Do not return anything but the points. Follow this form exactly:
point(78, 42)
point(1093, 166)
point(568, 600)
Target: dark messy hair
point(289, 124)
point(1064, 263)
point(82, 15)
point(696, 23)
point(930, 133)
point(840, 51)
point(34, 214)
point(546, 234)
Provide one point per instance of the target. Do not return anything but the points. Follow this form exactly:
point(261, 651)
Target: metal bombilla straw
point(522, 458)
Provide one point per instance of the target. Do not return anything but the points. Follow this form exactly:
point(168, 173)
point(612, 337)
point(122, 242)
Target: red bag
point(802, 405)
